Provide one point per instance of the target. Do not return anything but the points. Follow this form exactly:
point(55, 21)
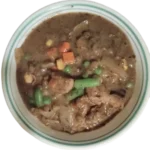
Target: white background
point(12, 123)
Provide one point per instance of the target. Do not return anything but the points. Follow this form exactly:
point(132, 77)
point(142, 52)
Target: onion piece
point(112, 65)
point(78, 29)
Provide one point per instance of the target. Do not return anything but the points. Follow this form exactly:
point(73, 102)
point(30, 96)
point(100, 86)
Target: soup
point(75, 72)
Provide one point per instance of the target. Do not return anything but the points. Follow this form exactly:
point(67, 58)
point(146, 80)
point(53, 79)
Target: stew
point(76, 71)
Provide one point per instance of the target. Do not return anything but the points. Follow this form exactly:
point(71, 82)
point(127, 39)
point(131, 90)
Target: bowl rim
point(73, 3)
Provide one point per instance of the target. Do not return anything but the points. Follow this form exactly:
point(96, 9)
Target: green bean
point(86, 64)
point(67, 69)
point(74, 94)
point(98, 71)
point(38, 97)
point(84, 83)
point(46, 100)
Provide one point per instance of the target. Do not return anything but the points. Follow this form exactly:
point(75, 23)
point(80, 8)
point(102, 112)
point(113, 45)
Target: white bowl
point(33, 125)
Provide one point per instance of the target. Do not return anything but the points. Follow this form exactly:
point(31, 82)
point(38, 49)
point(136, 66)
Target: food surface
point(75, 72)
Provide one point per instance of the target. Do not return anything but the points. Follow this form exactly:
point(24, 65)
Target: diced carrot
point(64, 47)
point(60, 64)
point(52, 53)
point(68, 58)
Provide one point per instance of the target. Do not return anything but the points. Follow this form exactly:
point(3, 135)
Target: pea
point(86, 64)
point(67, 69)
point(46, 100)
point(98, 71)
point(38, 98)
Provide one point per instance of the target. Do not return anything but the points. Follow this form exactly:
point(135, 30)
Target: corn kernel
point(28, 78)
point(60, 64)
point(49, 43)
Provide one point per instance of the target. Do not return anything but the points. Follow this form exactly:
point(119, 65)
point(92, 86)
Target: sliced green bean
point(38, 98)
point(84, 83)
point(74, 94)
point(46, 100)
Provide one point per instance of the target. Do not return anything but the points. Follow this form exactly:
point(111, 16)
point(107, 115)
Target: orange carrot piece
point(64, 47)
point(68, 58)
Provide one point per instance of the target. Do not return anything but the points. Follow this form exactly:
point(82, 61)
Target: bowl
point(32, 124)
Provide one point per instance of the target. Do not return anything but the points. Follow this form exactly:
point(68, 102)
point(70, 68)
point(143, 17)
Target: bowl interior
point(33, 125)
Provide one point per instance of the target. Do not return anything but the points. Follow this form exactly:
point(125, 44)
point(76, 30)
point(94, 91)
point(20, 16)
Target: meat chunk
point(47, 112)
point(93, 111)
point(93, 91)
point(81, 42)
point(61, 85)
point(98, 95)
point(87, 112)
point(73, 121)
point(67, 117)
point(96, 117)
point(83, 105)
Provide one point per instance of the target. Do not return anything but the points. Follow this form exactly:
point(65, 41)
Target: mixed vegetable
point(39, 100)
point(75, 75)
point(63, 60)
